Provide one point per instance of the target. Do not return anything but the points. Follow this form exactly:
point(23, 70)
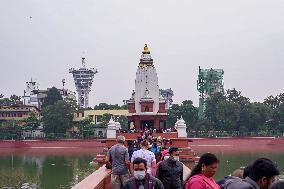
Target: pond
point(44, 172)
point(49, 171)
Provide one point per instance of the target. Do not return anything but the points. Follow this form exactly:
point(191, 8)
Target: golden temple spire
point(146, 50)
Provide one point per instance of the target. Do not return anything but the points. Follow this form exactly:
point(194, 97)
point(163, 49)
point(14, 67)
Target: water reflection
point(43, 172)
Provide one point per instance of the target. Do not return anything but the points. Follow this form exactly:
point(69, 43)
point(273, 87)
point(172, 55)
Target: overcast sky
point(244, 37)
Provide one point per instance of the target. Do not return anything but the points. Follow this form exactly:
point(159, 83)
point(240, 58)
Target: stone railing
point(100, 179)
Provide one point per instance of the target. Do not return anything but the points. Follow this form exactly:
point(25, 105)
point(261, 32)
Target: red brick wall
point(162, 108)
point(131, 108)
point(146, 104)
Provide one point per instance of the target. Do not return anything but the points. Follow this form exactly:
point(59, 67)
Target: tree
point(123, 120)
point(85, 127)
point(258, 114)
point(105, 106)
point(58, 118)
point(189, 113)
point(212, 107)
point(53, 95)
point(31, 122)
point(187, 110)
point(272, 102)
point(124, 107)
point(236, 97)
point(173, 114)
point(105, 119)
point(10, 130)
point(13, 100)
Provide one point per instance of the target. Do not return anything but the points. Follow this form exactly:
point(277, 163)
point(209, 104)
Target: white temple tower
point(146, 107)
point(146, 79)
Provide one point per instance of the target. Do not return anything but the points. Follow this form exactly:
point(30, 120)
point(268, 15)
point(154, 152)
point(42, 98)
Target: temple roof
point(146, 59)
point(146, 50)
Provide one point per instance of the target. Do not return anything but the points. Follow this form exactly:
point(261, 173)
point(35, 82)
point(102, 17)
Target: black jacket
point(153, 183)
point(170, 173)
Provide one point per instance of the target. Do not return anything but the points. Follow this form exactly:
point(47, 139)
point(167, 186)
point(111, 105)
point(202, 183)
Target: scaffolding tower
point(83, 79)
point(209, 81)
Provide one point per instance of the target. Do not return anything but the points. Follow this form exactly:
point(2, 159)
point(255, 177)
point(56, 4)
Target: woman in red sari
point(201, 176)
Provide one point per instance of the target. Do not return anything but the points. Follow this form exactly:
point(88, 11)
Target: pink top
point(201, 182)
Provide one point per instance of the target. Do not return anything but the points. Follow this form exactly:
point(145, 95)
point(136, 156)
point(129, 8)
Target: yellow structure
point(96, 115)
point(17, 113)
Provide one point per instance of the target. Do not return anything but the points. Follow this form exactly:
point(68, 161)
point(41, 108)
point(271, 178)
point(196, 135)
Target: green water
point(57, 172)
point(43, 172)
point(230, 162)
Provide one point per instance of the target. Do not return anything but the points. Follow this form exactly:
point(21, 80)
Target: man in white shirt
point(146, 154)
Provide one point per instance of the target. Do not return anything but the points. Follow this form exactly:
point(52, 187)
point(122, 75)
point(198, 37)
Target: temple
point(146, 106)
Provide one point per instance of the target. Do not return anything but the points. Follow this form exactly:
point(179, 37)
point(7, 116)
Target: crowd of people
point(141, 168)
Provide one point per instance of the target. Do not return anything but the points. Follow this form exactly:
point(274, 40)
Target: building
point(168, 96)
point(30, 98)
point(33, 96)
point(96, 115)
point(83, 79)
point(210, 81)
point(17, 113)
point(146, 107)
point(41, 94)
point(34, 133)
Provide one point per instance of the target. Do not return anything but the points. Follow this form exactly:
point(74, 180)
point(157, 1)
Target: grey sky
point(244, 37)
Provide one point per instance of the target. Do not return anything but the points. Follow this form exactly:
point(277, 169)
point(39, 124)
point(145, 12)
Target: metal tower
point(209, 82)
point(83, 81)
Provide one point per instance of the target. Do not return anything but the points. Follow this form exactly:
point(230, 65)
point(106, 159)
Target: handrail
point(100, 179)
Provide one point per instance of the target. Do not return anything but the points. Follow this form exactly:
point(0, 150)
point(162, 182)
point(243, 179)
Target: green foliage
point(105, 106)
point(232, 112)
point(123, 120)
point(187, 110)
point(31, 122)
point(53, 95)
point(13, 100)
point(85, 127)
point(10, 130)
point(105, 119)
point(58, 117)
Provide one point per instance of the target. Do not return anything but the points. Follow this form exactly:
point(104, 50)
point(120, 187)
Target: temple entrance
point(147, 124)
point(163, 125)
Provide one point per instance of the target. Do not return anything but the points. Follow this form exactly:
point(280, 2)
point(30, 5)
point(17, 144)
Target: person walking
point(146, 154)
point(118, 157)
point(170, 171)
point(142, 179)
point(202, 174)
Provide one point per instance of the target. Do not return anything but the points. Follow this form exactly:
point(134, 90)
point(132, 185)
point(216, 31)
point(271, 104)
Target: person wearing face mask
point(142, 179)
point(170, 171)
